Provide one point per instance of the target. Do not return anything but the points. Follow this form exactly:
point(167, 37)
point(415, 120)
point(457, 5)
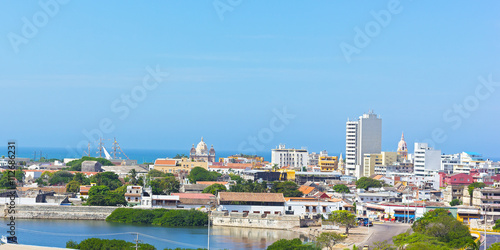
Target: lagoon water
point(56, 233)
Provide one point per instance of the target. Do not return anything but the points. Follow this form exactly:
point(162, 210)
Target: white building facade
point(426, 160)
point(363, 136)
point(294, 158)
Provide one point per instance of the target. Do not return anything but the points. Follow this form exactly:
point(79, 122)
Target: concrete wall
point(255, 220)
point(252, 208)
point(59, 212)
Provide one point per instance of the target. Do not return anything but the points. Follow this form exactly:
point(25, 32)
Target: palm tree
point(133, 175)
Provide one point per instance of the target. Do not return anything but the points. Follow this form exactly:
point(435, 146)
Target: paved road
point(490, 239)
point(385, 231)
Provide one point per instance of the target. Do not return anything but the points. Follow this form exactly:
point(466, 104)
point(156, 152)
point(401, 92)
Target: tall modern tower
point(363, 136)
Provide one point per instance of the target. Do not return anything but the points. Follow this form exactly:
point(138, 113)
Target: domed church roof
point(402, 144)
point(201, 148)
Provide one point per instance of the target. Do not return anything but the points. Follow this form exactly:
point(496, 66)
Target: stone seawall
point(59, 212)
point(255, 220)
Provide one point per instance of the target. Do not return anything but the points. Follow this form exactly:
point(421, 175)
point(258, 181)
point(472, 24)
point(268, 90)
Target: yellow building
point(290, 174)
point(173, 166)
point(328, 163)
point(370, 161)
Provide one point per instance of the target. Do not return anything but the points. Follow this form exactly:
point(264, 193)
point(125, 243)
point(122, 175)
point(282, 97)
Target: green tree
point(295, 244)
point(60, 177)
point(288, 188)
point(201, 174)
point(6, 182)
point(155, 173)
point(105, 244)
point(40, 182)
point(73, 187)
point(494, 246)
point(249, 187)
point(214, 189)
point(140, 181)
point(343, 218)
point(366, 183)
point(180, 156)
point(407, 238)
point(382, 245)
point(455, 202)
point(76, 165)
point(328, 240)
point(341, 188)
point(101, 196)
point(19, 173)
point(497, 225)
point(440, 224)
point(108, 179)
point(133, 176)
point(275, 167)
point(172, 185)
point(81, 178)
point(98, 190)
point(165, 186)
point(235, 177)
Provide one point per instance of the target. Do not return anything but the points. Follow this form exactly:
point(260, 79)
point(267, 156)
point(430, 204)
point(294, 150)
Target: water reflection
point(250, 238)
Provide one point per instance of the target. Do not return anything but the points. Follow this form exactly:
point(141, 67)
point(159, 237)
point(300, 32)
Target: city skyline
point(228, 76)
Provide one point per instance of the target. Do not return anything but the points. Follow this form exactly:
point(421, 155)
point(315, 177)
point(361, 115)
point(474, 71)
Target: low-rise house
point(230, 168)
point(193, 188)
point(456, 179)
point(124, 171)
point(91, 166)
point(392, 210)
point(161, 201)
point(84, 190)
point(312, 191)
point(209, 183)
point(133, 195)
point(263, 203)
point(452, 192)
point(195, 200)
point(374, 197)
point(313, 206)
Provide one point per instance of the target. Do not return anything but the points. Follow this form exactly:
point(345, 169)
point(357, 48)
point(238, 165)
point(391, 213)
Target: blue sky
point(225, 77)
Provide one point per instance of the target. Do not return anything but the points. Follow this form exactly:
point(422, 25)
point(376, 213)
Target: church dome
point(402, 144)
point(201, 148)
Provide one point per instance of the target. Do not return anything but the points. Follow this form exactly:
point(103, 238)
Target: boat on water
point(8, 239)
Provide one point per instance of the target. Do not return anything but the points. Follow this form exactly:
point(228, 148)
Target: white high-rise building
point(363, 136)
point(294, 158)
point(426, 160)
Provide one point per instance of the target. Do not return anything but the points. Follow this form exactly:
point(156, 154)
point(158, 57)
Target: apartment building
point(426, 161)
point(363, 136)
point(293, 158)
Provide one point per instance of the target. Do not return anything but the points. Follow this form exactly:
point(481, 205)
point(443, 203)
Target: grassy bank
point(159, 217)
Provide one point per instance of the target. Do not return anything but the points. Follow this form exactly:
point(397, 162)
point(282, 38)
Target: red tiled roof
point(193, 196)
point(251, 197)
point(211, 182)
point(165, 162)
point(228, 167)
point(306, 189)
